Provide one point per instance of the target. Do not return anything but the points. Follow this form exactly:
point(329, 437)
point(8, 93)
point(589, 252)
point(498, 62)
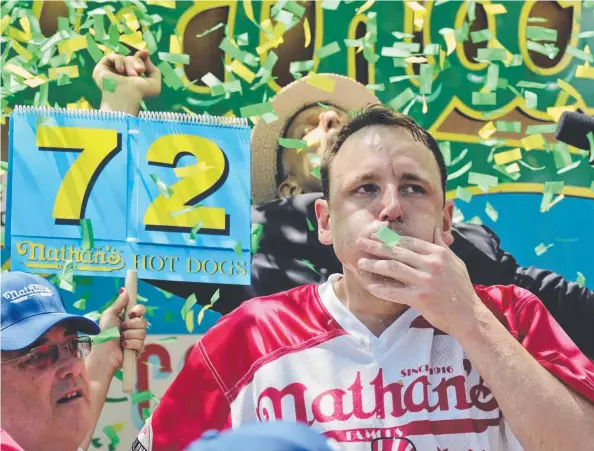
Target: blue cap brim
point(24, 333)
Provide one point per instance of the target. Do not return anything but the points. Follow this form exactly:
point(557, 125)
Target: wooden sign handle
point(129, 368)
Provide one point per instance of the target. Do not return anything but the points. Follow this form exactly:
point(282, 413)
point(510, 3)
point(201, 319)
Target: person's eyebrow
point(412, 177)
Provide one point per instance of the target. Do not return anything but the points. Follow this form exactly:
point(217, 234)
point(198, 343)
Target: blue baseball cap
point(272, 436)
point(31, 306)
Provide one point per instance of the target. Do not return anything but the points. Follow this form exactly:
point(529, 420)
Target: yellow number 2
point(97, 147)
point(179, 211)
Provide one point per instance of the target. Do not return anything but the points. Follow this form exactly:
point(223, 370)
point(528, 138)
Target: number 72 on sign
point(171, 199)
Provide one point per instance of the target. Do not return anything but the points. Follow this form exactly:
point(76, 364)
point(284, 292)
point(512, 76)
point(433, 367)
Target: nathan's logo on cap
point(26, 293)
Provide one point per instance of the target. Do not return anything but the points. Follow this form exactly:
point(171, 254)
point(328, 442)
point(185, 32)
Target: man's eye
point(368, 188)
point(413, 189)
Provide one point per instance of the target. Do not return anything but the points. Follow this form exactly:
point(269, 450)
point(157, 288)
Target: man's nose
point(329, 120)
point(69, 365)
point(391, 206)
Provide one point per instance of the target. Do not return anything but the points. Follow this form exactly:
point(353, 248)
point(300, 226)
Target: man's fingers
point(392, 269)
point(119, 305)
point(383, 251)
point(417, 245)
point(115, 61)
point(151, 69)
point(133, 344)
point(133, 334)
point(134, 66)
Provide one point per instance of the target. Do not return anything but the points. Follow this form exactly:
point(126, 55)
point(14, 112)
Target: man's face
point(311, 125)
point(35, 408)
point(381, 175)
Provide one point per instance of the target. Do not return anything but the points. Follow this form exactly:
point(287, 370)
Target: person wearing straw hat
point(53, 385)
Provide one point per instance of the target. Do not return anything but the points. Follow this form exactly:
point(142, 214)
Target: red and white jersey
point(301, 355)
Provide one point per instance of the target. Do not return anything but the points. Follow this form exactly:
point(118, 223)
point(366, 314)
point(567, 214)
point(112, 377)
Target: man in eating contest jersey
point(399, 345)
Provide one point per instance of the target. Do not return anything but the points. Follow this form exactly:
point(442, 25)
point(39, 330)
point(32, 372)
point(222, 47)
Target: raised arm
point(130, 79)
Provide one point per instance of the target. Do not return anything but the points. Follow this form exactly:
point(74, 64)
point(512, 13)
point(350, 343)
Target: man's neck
point(375, 314)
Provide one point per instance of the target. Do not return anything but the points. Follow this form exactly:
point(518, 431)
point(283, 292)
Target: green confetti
point(530, 84)
point(93, 48)
point(482, 180)
point(119, 375)
point(547, 49)
point(111, 434)
point(446, 151)
point(431, 49)
point(66, 277)
point(146, 413)
point(63, 80)
point(481, 35)
point(327, 50)
point(81, 304)
point(584, 34)
point(310, 265)
point(491, 212)
point(542, 248)
point(237, 248)
point(257, 109)
point(93, 316)
point(166, 340)
point(459, 158)
point(170, 77)
point(388, 236)
point(243, 40)
point(426, 78)
point(323, 105)
point(189, 319)
point(590, 137)
point(310, 226)
point(150, 310)
point(292, 143)
point(530, 100)
point(175, 58)
point(494, 54)
point(509, 126)
point(580, 54)
point(4, 165)
point(191, 301)
point(581, 280)
point(316, 172)
point(532, 168)
point(460, 172)
point(151, 43)
point(545, 128)
point(109, 84)
point(484, 98)
point(475, 220)
point(194, 231)
point(401, 99)
point(210, 30)
point(330, 5)
point(301, 66)
point(492, 77)
point(295, 8)
point(463, 194)
point(401, 35)
point(215, 297)
point(106, 335)
point(164, 190)
point(537, 19)
point(256, 236)
point(142, 396)
point(541, 33)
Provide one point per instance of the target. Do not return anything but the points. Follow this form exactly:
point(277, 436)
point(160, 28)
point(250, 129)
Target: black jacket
point(288, 248)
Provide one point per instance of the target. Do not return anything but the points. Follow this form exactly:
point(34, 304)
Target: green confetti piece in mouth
point(388, 236)
point(292, 143)
point(88, 240)
point(106, 335)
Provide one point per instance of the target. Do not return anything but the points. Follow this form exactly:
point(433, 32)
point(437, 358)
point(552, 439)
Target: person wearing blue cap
point(276, 436)
point(53, 386)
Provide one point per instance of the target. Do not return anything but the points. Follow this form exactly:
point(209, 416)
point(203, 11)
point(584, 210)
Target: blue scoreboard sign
point(166, 194)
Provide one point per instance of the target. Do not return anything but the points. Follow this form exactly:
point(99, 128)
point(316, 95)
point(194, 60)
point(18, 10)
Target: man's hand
point(132, 332)
point(131, 86)
point(428, 277)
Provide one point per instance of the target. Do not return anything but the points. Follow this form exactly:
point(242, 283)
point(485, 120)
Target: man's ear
point(447, 221)
point(289, 188)
point(323, 215)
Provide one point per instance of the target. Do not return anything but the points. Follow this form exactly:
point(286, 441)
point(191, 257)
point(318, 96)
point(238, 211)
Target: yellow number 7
point(97, 147)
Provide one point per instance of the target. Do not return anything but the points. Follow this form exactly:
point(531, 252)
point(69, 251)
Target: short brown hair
point(377, 115)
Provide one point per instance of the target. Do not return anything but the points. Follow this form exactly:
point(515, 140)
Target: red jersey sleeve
point(544, 339)
point(192, 404)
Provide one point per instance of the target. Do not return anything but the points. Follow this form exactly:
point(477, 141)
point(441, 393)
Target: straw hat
point(348, 95)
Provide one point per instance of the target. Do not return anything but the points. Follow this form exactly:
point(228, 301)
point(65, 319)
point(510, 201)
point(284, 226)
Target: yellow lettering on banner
point(556, 112)
point(307, 32)
point(450, 39)
point(188, 191)
point(487, 130)
point(321, 82)
point(368, 4)
point(494, 8)
point(508, 156)
point(17, 70)
point(240, 69)
point(71, 71)
point(164, 3)
point(249, 11)
point(72, 45)
point(569, 90)
point(96, 147)
point(533, 142)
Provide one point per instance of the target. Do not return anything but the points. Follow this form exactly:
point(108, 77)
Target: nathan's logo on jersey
point(392, 400)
